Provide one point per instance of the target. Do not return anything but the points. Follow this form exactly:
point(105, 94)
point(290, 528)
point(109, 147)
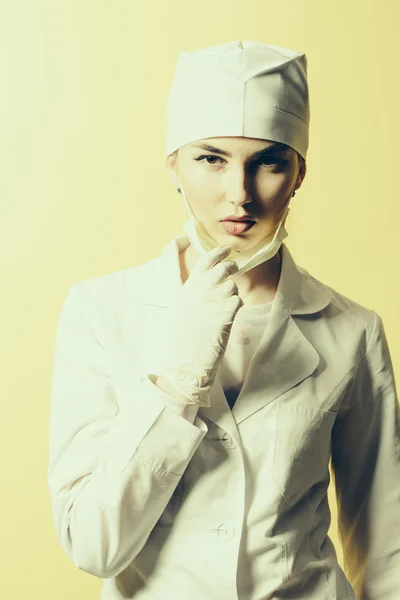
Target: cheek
point(274, 184)
point(274, 191)
point(198, 176)
point(201, 194)
point(198, 185)
point(201, 203)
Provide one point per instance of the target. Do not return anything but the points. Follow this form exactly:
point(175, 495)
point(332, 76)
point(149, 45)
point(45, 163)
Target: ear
point(171, 170)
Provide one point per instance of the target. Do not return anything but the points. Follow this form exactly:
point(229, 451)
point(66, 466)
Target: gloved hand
point(199, 325)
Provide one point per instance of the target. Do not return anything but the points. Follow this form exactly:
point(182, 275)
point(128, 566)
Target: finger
point(214, 256)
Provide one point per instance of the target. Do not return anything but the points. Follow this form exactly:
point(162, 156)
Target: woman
point(197, 399)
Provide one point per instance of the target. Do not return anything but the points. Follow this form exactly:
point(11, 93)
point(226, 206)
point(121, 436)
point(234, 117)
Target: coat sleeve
point(366, 468)
point(113, 466)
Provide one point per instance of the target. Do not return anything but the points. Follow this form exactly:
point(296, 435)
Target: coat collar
point(284, 358)
point(157, 281)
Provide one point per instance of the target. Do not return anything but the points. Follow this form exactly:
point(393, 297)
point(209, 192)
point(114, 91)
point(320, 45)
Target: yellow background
point(84, 192)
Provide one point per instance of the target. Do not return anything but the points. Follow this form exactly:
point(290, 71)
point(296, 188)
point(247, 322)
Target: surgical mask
point(245, 259)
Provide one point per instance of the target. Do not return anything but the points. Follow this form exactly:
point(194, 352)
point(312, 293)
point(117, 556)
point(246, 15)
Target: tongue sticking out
point(237, 226)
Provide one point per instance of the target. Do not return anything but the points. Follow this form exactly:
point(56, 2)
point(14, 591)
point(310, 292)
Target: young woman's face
point(232, 177)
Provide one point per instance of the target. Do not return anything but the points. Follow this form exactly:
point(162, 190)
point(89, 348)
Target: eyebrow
point(274, 147)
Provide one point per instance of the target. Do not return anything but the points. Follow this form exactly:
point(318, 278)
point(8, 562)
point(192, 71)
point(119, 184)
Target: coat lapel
point(284, 358)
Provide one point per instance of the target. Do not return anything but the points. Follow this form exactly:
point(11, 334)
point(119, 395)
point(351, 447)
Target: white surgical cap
point(247, 89)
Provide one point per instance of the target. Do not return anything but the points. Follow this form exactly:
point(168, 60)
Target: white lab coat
point(212, 504)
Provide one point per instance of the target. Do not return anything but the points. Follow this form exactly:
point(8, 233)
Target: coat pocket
point(302, 448)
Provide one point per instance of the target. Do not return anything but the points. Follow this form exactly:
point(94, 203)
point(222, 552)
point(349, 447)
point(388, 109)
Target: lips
point(237, 227)
point(239, 220)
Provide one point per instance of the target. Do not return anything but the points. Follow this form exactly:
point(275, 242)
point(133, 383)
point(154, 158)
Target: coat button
point(226, 531)
point(228, 441)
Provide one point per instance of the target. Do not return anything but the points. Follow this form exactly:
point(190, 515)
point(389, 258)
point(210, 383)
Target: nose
point(239, 190)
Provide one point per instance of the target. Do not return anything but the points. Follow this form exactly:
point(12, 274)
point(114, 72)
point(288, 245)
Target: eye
point(207, 156)
point(268, 160)
point(272, 160)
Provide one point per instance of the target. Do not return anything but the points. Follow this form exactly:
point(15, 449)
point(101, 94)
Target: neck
point(259, 285)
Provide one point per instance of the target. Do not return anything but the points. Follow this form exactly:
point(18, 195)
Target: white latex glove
point(199, 325)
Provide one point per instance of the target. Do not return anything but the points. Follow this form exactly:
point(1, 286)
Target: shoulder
point(105, 303)
point(117, 284)
point(343, 309)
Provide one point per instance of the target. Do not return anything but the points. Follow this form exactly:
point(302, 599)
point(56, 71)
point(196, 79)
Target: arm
point(113, 466)
point(366, 467)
